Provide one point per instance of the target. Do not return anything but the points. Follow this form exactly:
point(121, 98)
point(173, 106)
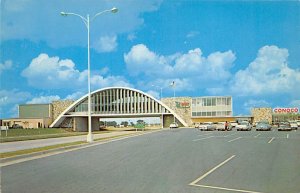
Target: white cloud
point(256, 103)
point(295, 103)
point(187, 68)
point(153, 93)
point(75, 95)
point(267, 74)
point(131, 37)
point(192, 34)
point(9, 100)
point(106, 44)
point(5, 66)
point(51, 72)
point(43, 99)
point(99, 81)
point(57, 31)
point(8, 97)
point(46, 72)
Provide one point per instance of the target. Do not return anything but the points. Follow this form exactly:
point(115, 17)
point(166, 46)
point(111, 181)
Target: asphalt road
point(171, 161)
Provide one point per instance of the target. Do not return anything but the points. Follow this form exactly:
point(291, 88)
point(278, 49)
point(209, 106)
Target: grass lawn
point(40, 133)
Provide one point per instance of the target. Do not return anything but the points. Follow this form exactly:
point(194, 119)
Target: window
point(209, 102)
point(213, 102)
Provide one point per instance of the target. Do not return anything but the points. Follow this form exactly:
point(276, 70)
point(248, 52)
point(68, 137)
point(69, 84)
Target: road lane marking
point(287, 136)
point(234, 139)
point(210, 171)
point(257, 135)
point(204, 134)
point(230, 135)
point(203, 138)
point(222, 188)
point(271, 140)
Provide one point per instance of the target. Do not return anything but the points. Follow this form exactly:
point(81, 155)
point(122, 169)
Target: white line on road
point(287, 136)
point(222, 188)
point(205, 134)
point(230, 135)
point(203, 138)
point(210, 171)
point(234, 139)
point(271, 140)
point(257, 135)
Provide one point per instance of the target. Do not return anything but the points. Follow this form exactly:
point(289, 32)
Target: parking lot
point(177, 160)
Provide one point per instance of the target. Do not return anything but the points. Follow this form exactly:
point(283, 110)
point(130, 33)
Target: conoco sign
point(182, 104)
point(286, 110)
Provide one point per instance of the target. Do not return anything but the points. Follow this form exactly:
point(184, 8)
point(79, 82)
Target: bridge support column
point(95, 124)
point(80, 124)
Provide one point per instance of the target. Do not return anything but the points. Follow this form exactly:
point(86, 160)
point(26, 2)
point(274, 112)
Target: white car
point(298, 123)
point(244, 126)
point(233, 124)
point(173, 125)
point(207, 126)
point(294, 125)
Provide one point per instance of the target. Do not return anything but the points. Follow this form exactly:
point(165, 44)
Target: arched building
point(115, 102)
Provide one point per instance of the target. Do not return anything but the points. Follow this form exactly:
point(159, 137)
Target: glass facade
point(120, 101)
point(212, 107)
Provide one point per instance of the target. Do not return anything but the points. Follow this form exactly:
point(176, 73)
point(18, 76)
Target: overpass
point(115, 102)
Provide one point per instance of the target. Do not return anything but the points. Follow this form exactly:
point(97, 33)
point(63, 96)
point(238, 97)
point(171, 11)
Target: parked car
point(197, 125)
point(221, 126)
point(244, 126)
point(233, 124)
point(294, 125)
point(173, 125)
point(263, 126)
point(298, 123)
point(284, 126)
point(16, 126)
point(207, 126)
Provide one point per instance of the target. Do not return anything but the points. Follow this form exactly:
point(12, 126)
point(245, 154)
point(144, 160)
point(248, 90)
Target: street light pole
point(162, 114)
point(87, 21)
point(174, 100)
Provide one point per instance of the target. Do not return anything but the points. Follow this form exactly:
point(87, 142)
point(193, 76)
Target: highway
point(169, 161)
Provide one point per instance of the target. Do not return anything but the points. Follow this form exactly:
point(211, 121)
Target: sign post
point(4, 128)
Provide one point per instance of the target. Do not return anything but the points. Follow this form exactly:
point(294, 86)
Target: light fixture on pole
point(87, 21)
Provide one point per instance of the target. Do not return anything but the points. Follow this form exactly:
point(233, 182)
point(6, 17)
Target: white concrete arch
point(69, 112)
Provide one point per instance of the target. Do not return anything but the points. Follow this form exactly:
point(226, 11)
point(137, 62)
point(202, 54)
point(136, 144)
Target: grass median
point(40, 133)
point(52, 147)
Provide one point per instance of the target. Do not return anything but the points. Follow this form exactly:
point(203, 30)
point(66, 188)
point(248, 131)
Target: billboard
point(286, 110)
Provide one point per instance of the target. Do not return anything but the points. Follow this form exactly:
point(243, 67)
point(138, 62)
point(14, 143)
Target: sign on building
point(286, 110)
point(182, 105)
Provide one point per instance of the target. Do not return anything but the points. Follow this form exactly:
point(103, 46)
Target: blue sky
point(249, 50)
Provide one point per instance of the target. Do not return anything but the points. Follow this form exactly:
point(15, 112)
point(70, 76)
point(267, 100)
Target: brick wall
point(262, 114)
point(183, 112)
point(59, 106)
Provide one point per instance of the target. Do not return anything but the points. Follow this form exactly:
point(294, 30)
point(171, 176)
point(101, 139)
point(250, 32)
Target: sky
point(249, 50)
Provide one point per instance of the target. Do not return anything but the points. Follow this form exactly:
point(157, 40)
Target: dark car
point(284, 127)
point(16, 126)
point(263, 126)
